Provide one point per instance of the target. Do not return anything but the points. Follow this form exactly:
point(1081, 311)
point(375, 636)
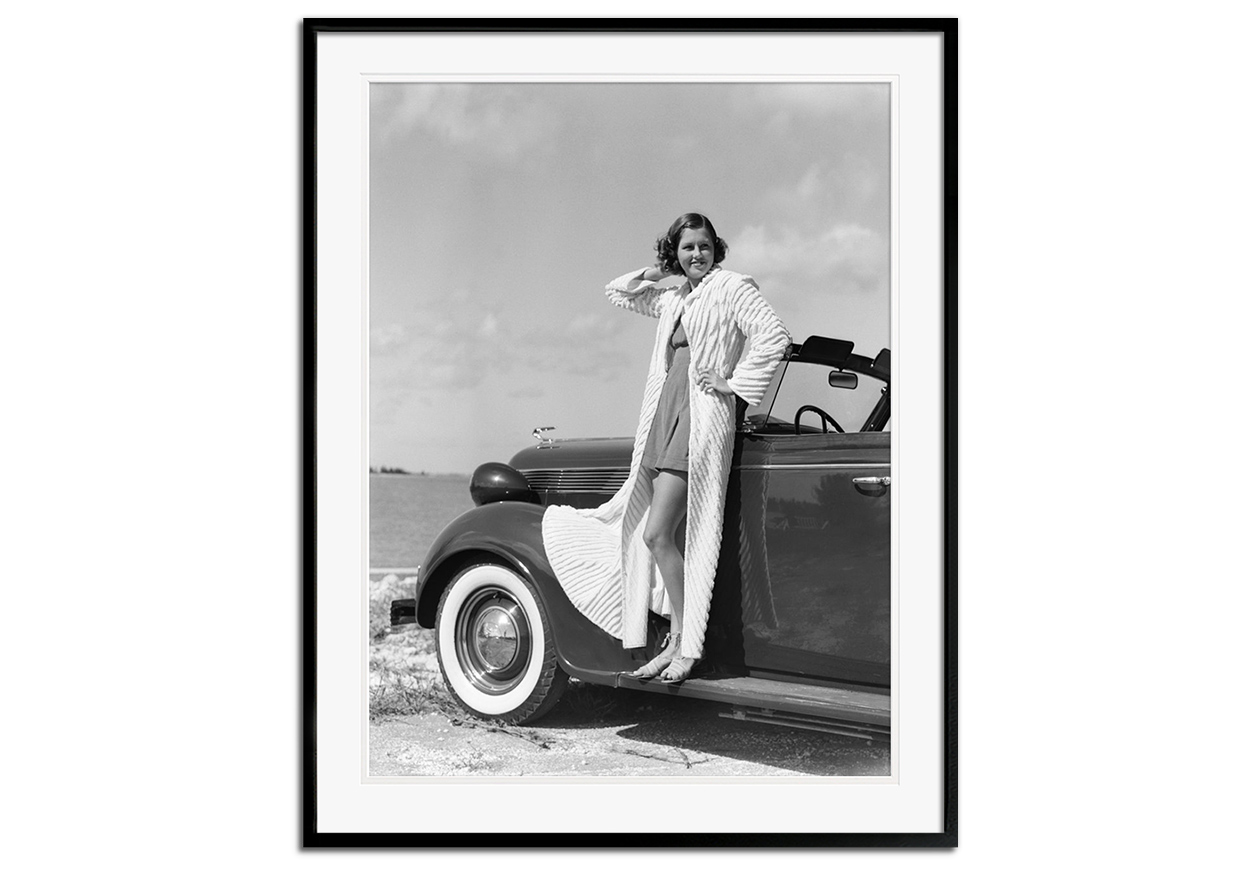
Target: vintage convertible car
point(799, 631)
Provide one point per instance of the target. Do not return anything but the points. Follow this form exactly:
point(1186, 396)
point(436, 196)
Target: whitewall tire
point(495, 646)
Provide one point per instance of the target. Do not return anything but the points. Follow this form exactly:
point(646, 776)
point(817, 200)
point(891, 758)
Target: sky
point(498, 211)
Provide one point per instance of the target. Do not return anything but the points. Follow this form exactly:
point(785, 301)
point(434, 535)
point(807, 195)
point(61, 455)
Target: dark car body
point(799, 630)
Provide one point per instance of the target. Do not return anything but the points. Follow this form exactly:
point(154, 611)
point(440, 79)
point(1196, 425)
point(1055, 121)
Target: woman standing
point(718, 340)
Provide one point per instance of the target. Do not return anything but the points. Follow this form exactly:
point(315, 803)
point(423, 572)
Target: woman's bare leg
point(667, 546)
point(668, 509)
point(664, 537)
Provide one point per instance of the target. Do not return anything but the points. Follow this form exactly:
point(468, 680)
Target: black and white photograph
point(701, 588)
point(348, 365)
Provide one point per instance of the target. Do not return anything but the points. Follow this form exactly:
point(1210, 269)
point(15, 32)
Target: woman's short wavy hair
point(666, 245)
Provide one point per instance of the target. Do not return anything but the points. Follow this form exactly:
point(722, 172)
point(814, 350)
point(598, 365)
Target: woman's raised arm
point(637, 291)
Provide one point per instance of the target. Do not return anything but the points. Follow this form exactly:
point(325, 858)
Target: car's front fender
point(511, 532)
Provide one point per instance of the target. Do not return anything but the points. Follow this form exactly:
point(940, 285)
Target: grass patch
point(381, 594)
point(397, 695)
point(404, 677)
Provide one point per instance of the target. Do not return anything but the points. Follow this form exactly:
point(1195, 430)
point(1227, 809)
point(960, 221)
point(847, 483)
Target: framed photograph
point(675, 572)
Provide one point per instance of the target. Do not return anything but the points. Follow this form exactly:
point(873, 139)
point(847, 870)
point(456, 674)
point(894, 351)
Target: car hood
point(576, 453)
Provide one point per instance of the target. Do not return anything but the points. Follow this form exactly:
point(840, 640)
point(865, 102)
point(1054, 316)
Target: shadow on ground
point(698, 728)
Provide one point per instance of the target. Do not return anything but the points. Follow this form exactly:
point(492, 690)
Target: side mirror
point(843, 380)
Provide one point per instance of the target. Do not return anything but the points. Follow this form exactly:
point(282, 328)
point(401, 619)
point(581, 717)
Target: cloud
point(822, 99)
point(459, 348)
point(791, 104)
point(384, 337)
point(811, 184)
point(846, 257)
point(432, 350)
point(828, 189)
point(500, 121)
point(587, 344)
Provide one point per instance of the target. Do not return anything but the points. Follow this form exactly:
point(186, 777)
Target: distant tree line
point(386, 470)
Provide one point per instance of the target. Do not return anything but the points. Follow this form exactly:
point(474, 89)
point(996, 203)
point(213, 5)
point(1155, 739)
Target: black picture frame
point(313, 836)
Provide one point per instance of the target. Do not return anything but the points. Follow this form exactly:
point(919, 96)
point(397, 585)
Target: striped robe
point(598, 554)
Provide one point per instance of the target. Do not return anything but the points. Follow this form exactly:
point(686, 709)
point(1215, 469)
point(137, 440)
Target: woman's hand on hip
point(710, 381)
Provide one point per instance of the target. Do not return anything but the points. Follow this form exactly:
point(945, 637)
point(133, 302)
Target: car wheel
point(495, 646)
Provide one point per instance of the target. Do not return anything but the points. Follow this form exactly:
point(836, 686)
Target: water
point(406, 513)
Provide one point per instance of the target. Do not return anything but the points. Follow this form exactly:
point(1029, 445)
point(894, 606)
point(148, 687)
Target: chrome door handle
point(873, 487)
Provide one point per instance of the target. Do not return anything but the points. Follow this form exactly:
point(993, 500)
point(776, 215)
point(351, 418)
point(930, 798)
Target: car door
point(814, 555)
point(805, 557)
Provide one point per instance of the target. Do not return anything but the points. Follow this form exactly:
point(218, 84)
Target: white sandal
point(672, 645)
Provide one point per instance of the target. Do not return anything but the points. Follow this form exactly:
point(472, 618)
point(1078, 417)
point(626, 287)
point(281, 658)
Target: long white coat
point(598, 554)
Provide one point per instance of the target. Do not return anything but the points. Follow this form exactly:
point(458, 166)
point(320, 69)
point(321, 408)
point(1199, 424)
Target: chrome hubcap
point(495, 638)
point(492, 641)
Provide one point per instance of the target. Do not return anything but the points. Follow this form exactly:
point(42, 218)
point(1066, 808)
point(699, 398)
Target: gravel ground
point(603, 732)
point(418, 730)
point(434, 745)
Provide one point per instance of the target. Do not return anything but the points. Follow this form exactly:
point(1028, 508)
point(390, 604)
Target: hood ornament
point(542, 439)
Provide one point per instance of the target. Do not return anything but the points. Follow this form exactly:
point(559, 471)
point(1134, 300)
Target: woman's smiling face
point(695, 252)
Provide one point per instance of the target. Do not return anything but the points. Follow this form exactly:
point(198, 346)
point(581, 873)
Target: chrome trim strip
point(565, 490)
point(823, 465)
point(591, 479)
point(568, 484)
point(575, 473)
point(576, 479)
point(578, 440)
point(602, 469)
point(592, 474)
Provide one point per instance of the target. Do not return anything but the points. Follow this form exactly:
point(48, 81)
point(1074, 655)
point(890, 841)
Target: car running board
point(774, 700)
point(799, 721)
